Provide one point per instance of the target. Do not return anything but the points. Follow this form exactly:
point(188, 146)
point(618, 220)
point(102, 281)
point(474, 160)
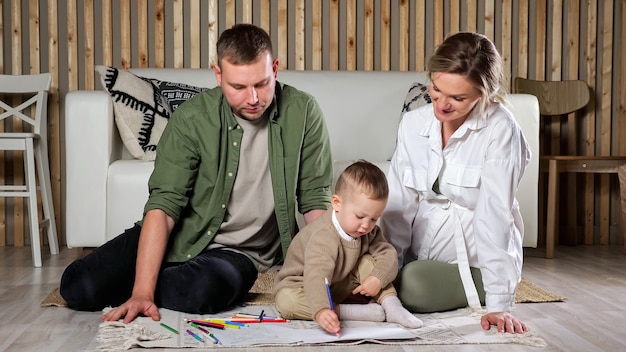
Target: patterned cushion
point(417, 96)
point(140, 111)
point(176, 93)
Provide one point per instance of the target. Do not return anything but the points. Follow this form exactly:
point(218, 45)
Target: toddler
point(347, 247)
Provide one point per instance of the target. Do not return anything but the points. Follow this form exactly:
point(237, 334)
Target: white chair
point(32, 139)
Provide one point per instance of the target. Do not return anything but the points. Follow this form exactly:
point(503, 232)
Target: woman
point(452, 214)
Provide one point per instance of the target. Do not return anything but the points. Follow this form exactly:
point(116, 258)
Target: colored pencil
point(217, 341)
point(250, 316)
point(195, 336)
point(220, 321)
point(330, 298)
point(253, 321)
point(206, 333)
point(169, 328)
point(206, 323)
point(245, 317)
point(261, 315)
point(227, 323)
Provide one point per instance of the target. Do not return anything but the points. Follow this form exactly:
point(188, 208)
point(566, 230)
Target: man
point(231, 166)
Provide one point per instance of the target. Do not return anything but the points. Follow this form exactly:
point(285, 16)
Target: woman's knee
point(430, 286)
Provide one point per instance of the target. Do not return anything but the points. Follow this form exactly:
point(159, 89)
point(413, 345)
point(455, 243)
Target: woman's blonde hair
point(475, 57)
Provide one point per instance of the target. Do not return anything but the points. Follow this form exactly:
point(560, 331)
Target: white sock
point(364, 312)
point(396, 313)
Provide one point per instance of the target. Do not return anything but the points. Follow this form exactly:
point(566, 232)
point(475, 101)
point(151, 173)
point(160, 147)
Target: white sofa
point(106, 188)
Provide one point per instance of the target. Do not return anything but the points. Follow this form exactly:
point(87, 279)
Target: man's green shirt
point(198, 157)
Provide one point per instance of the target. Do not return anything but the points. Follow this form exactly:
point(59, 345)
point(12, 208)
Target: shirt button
point(230, 174)
point(208, 233)
point(223, 206)
point(235, 144)
point(238, 127)
point(230, 128)
point(188, 256)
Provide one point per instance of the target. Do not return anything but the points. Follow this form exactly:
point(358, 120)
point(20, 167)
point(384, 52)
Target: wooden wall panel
point(88, 44)
point(316, 34)
point(403, 36)
point(538, 39)
point(523, 12)
point(300, 51)
point(420, 35)
point(589, 119)
point(54, 109)
point(142, 33)
point(385, 35)
point(350, 23)
point(159, 33)
point(106, 40)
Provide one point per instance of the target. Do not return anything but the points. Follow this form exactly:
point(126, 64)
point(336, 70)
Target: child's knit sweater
point(319, 252)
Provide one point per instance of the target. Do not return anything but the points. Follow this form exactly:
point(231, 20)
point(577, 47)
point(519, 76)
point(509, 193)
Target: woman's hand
point(505, 322)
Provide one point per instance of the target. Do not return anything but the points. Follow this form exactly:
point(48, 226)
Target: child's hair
point(364, 176)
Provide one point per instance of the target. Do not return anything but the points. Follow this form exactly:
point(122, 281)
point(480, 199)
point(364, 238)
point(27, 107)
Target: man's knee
point(77, 289)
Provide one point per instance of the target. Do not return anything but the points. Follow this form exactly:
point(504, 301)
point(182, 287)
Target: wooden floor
point(592, 319)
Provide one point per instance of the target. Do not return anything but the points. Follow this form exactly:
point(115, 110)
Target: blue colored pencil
point(330, 298)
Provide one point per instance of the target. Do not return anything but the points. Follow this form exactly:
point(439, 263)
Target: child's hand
point(328, 320)
point(370, 287)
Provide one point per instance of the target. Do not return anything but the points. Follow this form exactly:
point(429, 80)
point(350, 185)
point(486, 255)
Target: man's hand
point(370, 287)
point(155, 232)
point(328, 320)
point(505, 322)
point(132, 308)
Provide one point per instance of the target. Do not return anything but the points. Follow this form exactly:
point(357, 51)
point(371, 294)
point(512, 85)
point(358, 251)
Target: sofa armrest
point(525, 108)
point(91, 144)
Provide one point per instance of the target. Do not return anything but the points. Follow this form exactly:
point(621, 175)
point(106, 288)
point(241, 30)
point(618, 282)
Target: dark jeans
point(212, 282)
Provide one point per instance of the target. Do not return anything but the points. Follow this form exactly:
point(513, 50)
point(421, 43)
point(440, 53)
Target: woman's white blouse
point(477, 176)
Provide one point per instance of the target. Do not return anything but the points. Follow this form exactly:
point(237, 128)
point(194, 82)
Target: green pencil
point(169, 328)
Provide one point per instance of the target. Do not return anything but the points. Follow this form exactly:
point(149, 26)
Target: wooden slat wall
point(539, 39)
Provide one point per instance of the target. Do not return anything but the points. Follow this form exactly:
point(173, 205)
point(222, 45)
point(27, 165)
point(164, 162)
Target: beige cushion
point(140, 111)
point(416, 96)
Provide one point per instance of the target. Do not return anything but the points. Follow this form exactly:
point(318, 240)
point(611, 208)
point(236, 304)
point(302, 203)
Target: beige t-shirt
point(249, 226)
